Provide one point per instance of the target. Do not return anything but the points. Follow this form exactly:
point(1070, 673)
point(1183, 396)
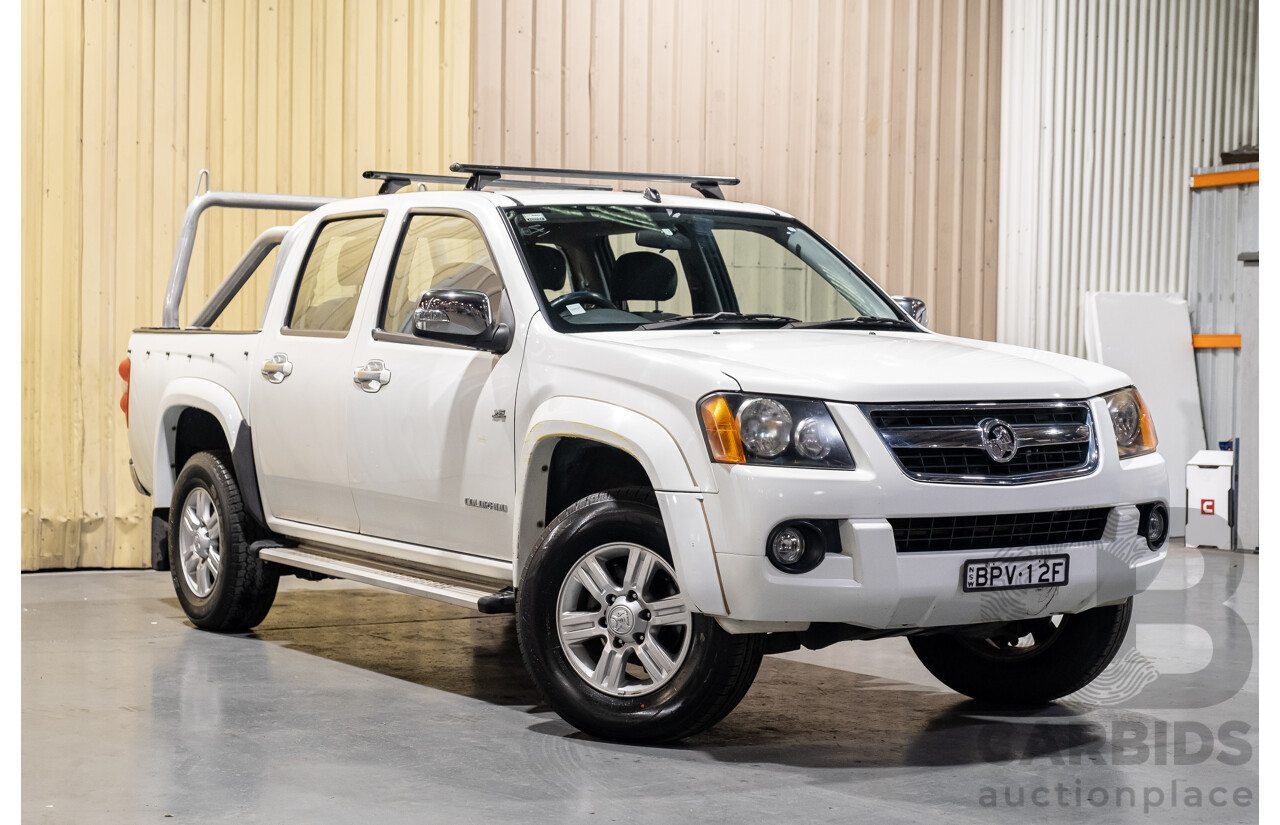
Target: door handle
point(373, 376)
point(278, 368)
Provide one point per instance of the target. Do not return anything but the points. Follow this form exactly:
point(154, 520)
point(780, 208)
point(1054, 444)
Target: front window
point(634, 267)
point(437, 252)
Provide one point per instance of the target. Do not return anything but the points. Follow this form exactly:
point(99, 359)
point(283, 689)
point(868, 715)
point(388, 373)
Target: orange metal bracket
point(1224, 178)
point(1215, 341)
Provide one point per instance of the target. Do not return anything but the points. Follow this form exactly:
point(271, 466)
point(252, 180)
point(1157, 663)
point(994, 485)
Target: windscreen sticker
point(575, 309)
point(535, 216)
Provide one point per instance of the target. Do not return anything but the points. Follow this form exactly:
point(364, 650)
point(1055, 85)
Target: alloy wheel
point(622, 621)
point(200, 542)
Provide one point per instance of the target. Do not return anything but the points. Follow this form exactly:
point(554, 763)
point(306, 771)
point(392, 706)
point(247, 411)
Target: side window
point(331, 277)
point(438, 252)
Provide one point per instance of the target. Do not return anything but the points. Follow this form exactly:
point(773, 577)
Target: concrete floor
point(351, 704)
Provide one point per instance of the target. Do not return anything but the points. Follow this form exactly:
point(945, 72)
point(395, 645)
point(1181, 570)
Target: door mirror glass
point(914, 307)
point(453, 313)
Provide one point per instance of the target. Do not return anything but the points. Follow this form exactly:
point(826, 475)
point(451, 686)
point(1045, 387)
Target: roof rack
point(482, 176)
point(395, 181)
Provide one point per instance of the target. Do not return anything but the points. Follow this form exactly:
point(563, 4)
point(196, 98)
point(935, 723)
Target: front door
point(431, 448)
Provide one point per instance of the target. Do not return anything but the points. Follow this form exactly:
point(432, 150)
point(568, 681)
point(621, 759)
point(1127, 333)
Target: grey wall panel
point(1107, 106)
point(1223, 297)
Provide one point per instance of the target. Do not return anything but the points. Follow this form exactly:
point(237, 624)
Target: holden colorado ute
point(670, 434)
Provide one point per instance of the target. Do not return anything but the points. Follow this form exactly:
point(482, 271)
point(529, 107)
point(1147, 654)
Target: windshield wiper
point(723, 317)
point(860, 322)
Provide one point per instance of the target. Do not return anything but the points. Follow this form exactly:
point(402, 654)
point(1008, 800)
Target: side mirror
point(462, 316)
point(914, 307)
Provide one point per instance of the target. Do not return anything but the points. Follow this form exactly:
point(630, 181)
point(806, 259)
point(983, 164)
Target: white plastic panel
point(1148, 336)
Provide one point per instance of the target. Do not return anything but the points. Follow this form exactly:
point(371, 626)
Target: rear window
point(329, 287)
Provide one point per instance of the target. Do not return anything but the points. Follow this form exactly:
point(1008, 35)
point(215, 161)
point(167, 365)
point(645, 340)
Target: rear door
point(299, 401)
point(432, 448)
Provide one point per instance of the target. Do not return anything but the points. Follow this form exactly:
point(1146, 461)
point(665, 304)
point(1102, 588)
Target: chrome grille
point(945, 442)
point(991, 532)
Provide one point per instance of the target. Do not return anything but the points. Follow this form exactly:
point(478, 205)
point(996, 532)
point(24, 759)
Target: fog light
point(1153, 524)
point(799, 546)
point(1157, 526)
point(787, 546)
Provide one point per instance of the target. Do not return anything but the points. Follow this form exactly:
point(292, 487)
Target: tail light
point(124, 399)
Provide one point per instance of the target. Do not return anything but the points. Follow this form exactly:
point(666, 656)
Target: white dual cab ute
point(670, 434)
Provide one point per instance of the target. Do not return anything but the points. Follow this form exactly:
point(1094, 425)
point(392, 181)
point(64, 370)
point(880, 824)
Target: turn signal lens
point(1135, 431)
point(722, 431)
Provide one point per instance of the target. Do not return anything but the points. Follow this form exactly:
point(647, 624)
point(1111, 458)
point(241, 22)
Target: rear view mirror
point(662, 239)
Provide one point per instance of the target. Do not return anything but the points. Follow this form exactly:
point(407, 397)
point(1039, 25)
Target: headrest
point(548, 266)
point(644, 276)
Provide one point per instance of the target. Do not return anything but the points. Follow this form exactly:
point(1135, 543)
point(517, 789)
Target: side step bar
point(463, 594)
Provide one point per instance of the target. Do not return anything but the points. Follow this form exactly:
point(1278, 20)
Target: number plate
point(1013, 574)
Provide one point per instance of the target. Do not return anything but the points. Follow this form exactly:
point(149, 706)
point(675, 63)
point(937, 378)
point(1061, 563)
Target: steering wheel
point(581, 296)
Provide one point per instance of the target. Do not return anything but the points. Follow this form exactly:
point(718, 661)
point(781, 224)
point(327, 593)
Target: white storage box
point(1208, 499)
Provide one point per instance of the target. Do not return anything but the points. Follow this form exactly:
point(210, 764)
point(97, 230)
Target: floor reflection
point(795, 714)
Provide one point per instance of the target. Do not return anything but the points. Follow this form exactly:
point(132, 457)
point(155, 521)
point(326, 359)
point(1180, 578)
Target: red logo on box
point(1206, 507)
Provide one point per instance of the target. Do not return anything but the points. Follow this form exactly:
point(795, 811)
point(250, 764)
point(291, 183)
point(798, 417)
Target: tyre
point(220, 584)
point(610, 639)
point(1030, 662)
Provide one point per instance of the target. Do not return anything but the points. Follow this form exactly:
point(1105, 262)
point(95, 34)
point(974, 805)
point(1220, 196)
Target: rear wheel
point(221, 585)
point(609, 636)
point(1028, 662)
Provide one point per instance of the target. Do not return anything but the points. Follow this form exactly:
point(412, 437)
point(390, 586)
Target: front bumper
point(869, 583)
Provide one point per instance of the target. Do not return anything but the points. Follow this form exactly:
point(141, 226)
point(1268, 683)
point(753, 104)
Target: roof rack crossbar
point(484, 175)
point(395, 181)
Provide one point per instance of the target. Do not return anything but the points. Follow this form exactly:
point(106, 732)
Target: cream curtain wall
point(874, 121)
point(123, 102)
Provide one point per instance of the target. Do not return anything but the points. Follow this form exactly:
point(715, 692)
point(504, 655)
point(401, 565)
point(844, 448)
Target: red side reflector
point(125, 370)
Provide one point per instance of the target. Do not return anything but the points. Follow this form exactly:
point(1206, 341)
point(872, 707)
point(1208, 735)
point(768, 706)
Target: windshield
point(634, 267)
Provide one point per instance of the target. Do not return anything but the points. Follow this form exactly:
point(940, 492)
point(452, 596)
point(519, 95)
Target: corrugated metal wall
point(1108, 106)
point(1223, 297)
point(122, 103)
point(875, 122)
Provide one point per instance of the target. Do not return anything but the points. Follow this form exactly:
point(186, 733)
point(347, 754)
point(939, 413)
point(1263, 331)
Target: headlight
point(765, 426)
point(752, 429)
point(1135, 432)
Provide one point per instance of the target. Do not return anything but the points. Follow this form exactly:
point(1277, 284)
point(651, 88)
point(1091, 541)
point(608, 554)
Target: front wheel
point(1028, 662)
point(609, 637)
